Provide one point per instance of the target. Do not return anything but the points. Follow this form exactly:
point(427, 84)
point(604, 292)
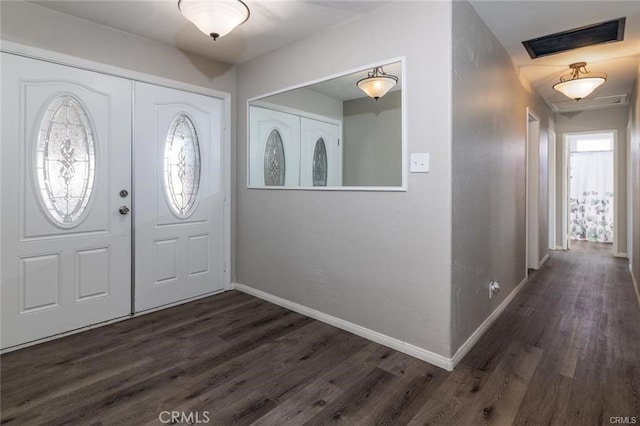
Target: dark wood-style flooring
point(565, 352)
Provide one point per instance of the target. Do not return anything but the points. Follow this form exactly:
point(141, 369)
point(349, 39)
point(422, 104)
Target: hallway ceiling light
point(216, 18)
point(377, 83)
point(576, 87)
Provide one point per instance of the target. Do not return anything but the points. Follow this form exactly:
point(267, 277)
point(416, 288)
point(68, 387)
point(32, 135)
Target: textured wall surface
point(634, 156)
point(489, 128)
point(381, 260)
point(591, 121)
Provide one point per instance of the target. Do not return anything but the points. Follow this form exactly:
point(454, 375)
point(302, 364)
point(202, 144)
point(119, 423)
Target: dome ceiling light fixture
point(377, 83)
point(576, 87)
point(216, 18)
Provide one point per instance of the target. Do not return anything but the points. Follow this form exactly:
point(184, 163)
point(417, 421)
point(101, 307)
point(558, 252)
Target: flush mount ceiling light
point(216, 18)
point(377, 83)
point(576, 87)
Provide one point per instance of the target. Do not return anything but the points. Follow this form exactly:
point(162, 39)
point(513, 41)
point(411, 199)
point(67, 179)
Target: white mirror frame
point(403, 80)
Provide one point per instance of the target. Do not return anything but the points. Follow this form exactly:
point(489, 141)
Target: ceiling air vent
point(590, 103)
point(604, 32)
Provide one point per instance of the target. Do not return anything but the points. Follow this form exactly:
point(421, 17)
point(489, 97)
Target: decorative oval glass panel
point(65, 160)
point(320, 164)
point(274, 160)
point(182, 165)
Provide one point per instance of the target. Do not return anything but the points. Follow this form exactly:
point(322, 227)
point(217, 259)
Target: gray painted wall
point(372, 143)
point(591, 121)
point(378, 259)
point(489, 127)
point(634, 174)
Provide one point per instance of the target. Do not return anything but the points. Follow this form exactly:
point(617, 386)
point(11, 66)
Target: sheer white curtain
point(591, 199)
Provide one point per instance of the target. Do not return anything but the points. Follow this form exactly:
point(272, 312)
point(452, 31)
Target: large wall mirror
point(330, 134)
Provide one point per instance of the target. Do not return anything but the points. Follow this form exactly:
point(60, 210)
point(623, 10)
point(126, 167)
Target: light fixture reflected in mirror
point(216, 18)
point(576, 87)
point(377, 83)
point(333, 135)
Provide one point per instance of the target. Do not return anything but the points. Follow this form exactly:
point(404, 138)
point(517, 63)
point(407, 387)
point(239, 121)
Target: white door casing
point(66, 249)
point(552, 191)
point(179, 195)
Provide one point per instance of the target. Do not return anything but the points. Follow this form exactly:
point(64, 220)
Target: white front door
point(66, 248)
point(178, 196)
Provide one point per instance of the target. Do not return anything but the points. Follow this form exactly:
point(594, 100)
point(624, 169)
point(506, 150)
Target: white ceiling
point(515, 21)
point(276, 23)
point(272, 24)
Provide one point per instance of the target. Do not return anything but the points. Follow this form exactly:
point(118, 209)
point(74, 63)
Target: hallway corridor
point(568, 346)
point(565, 352)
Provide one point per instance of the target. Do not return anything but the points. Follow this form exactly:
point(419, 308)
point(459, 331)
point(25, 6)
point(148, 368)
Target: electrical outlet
point(494, 287)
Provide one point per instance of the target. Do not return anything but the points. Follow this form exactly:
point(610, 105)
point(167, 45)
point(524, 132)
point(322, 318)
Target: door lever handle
point(124, 210)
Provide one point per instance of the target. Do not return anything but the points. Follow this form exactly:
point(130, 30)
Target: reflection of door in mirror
point(274, 160)
point(320, 163)
point(292, 149)
point(336, 135)
point(274, 148)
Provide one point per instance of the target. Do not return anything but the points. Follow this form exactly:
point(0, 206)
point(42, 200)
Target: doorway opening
point(590, 213)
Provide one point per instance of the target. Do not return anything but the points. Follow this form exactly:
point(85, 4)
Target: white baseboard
point(383, 339)
point(473, 339)
point(623, 255)
point(635, 284)
point(543, 260)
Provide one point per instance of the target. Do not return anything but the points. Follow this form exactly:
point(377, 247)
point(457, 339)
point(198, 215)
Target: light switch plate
point(420, 163)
